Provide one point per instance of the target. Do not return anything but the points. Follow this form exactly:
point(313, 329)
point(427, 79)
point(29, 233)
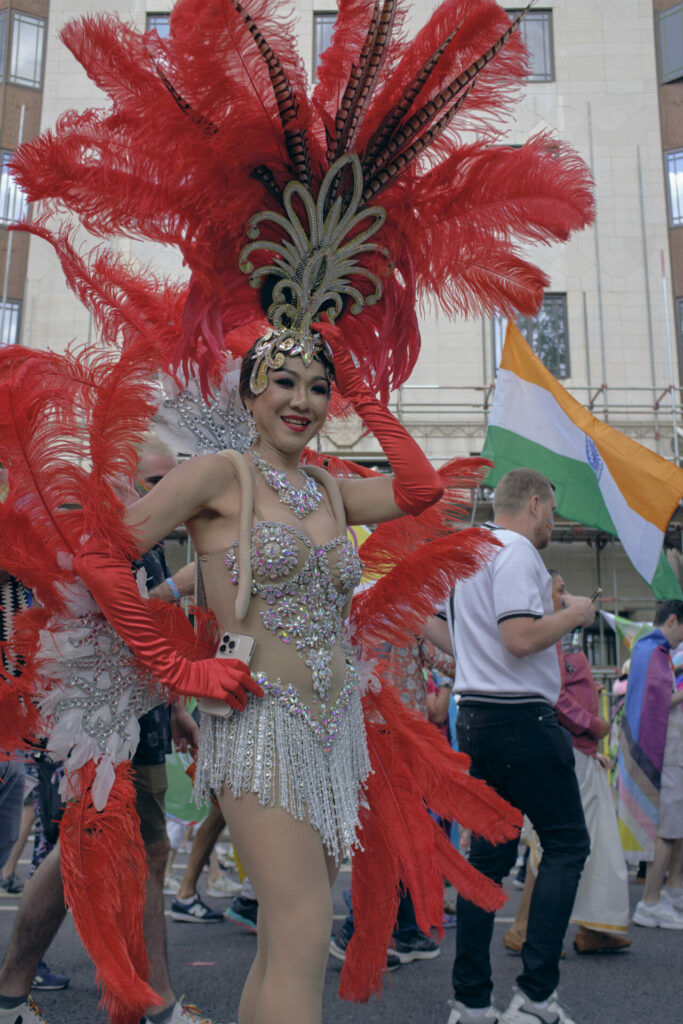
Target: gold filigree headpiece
point(314, 266)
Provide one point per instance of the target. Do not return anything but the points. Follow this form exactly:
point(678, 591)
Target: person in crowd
point(601, 907)
point(502, 624)
point(288, 404)
point(187, 904)
point(651, 768)
point(408, 944)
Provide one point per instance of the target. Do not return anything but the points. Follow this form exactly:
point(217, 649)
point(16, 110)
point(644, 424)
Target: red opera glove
point(416, 483)
point(109, 579)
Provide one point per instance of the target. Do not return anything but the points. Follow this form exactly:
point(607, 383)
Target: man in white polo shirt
point(503, 630)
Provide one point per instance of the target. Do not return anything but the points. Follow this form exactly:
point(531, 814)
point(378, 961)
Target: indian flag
point(602, 478)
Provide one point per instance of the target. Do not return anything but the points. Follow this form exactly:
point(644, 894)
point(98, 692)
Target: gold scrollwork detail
point(314, 262)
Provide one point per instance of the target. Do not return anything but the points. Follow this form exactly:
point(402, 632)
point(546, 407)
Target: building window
point(674, 173)
point(537, 32)
point(546, 333)
point(10, 313)
point(13, 205)
point(323, 26)
point(679, 320)
point(3, 43)
point(670, 38)
point(159, 23)
point(26, 54)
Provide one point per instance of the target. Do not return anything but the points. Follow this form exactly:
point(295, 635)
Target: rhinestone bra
point(304, 603)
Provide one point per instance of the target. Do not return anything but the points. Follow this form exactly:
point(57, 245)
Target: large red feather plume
point(402, 844)
point(398, 603)
point(104, 870)
point(232, 123)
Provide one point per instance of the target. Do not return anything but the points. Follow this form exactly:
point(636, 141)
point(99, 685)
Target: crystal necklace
point(302, 501)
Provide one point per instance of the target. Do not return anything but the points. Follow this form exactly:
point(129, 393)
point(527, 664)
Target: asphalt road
point(209, 962)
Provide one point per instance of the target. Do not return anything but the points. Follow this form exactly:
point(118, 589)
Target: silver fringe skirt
point(275, 748)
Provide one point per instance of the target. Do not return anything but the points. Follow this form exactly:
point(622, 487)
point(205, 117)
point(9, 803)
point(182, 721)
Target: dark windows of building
point(27, 49)
point(537, 32)
point(547, 334)
point(10, 313)
point(670, 40)
point(323, 25)
point(159, 23)
point(679, 321)
point(3, 43)
point(674, 174)
point(13, 205)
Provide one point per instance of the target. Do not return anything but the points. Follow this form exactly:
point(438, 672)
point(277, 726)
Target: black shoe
point(11, 886)
point(338, 944)
point(340, 941)
point(419, 947)
point(243, 911)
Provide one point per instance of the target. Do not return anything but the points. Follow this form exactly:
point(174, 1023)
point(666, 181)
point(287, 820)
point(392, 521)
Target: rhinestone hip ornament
point(302, 501)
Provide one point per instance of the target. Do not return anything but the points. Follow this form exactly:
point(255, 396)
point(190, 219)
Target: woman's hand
point(226, 679)
point(109, 579)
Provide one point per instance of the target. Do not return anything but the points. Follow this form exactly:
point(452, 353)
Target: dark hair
point(667, 608)
point(250, 358)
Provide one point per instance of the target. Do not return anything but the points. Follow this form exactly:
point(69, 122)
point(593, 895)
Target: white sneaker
point(183, 1013)
point(26, 1013)
point(674, 899)
point(658, 915)
point(523, 1010)
point(225, 886)
point(171, 886)
point(461, 1014)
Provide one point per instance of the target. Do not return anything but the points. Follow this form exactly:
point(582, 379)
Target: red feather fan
point(20, 720)
point(398, 603)
point(392, 541)
point(59, 413)
point(103, 857)
point(403, 845)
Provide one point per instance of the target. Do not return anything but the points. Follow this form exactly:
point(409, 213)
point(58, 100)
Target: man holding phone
point(503, 630)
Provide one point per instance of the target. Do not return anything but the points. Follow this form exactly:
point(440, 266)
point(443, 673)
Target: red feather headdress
point(362, 196)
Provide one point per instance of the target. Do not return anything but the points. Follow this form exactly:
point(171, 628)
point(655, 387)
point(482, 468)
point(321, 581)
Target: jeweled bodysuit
point(302, 746)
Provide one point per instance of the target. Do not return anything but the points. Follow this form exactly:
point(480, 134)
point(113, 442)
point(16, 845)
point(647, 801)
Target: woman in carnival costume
point(211, 135)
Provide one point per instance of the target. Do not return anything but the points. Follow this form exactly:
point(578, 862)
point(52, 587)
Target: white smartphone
point(231, 645)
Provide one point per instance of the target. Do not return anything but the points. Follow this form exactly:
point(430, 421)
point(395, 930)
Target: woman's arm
point(107, 575)
point(200, 483)
point(369, 501)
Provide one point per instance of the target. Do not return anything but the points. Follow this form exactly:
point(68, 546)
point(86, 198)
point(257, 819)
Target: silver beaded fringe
point(271, 750)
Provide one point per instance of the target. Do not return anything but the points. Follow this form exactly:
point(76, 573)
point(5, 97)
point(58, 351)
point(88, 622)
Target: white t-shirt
point(514, 583)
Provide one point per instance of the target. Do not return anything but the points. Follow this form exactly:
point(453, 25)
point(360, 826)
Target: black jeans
point(523, 752)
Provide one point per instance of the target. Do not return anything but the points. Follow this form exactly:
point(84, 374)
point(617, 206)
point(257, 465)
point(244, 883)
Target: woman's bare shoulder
point(216, 466)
